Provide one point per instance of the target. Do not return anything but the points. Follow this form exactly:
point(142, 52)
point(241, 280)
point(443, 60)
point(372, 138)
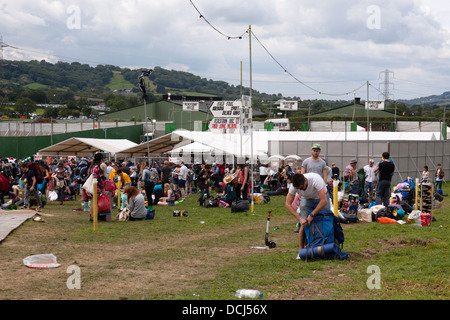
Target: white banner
point(289, 105)
point(190, 106)
point(224, 124)
point(246, 101)
point(226, 109)
point(246, 121)
point(374, 105)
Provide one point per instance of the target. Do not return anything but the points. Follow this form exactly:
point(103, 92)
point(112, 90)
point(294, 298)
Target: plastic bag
point(414, 217)
point(103, 204)
point(385, 220)
point(42, 261)
point(124, 214)
point(366, 215)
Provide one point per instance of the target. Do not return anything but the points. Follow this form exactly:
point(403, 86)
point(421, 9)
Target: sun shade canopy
point(87, 147)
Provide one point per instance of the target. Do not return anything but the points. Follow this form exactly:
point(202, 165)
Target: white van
point(281, 124)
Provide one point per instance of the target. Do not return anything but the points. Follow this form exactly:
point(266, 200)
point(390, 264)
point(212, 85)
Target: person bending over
point(314, 198)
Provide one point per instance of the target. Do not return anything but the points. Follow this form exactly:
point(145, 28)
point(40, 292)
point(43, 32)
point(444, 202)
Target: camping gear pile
point(407, 205)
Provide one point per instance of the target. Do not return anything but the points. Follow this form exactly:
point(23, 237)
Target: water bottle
point(247, 293)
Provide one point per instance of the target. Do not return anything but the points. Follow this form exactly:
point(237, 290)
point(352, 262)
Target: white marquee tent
point(87, 147)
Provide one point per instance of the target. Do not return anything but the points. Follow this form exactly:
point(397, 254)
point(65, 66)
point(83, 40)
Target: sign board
point(224, 124)
point(289, 105)
point(246, 101)
point(246, 121)
point(226, 109)
point(374, 105)
point(190, 106)
point(37, 157)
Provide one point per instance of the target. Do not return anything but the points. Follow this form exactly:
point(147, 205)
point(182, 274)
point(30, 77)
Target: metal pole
point(368, 129)
point(146, 132)
point(251, 126)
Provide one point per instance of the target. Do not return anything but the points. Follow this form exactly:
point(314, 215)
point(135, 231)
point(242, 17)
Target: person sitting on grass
point(135, 203)
point(169, 196)
point(229, 191)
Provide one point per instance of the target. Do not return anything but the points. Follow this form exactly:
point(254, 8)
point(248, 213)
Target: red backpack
point(37, 172)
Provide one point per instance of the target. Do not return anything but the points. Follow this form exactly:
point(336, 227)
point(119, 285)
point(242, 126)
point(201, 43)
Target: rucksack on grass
point(325, 238)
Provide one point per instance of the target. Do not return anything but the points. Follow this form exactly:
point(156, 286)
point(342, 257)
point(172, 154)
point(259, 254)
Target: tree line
point(25, 84)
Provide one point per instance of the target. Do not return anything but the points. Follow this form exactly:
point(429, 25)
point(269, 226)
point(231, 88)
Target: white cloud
point(326, 43)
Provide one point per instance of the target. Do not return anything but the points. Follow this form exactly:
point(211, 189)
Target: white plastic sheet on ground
point(42, 261)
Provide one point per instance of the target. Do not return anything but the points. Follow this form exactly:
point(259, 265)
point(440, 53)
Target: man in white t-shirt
point(370, 179)
point(182, 176)
point(314, 198)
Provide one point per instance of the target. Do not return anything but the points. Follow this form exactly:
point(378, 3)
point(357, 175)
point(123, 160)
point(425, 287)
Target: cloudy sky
point(311, 49)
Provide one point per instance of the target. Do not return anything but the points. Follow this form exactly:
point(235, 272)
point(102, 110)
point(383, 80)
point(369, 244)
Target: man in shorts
point(314, 198)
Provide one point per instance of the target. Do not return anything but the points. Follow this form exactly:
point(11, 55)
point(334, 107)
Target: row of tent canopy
point(183, 141)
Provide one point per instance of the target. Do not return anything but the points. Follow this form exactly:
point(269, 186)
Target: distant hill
point(85, 80)
point(438, 100)
point(45, 82)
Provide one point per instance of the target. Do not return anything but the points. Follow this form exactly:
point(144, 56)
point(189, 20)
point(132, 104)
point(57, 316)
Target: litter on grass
point(41, 261)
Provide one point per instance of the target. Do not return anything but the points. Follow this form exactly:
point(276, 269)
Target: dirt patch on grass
point(136, 270)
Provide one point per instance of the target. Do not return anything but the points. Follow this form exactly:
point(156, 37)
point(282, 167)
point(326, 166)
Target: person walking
point(439, 177)
point(386, 169)
point(425, 175)
point(369, 179)
point(204, 178)
point(31, 188)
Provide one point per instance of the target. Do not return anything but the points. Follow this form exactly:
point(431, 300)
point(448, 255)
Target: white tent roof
point(240, 146)
point(87, 146)
point(196, 147)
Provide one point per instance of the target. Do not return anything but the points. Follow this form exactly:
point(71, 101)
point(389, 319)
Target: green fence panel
point(24, 146)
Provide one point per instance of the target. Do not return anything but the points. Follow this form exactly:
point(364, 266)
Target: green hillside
point(118, 82)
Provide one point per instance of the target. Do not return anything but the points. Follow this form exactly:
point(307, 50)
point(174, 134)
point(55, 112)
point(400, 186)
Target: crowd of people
point(147, 185)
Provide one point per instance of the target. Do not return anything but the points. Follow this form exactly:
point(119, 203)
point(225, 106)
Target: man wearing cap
point(350, 171)
point(315, 163)
point(369, 172)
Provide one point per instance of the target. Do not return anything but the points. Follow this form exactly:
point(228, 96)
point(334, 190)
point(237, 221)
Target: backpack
point(325, 238)
point(37, 172)
point(154, 176)
point(210, 203)
point(240, 206)
point(109, 185)
point(8, 169)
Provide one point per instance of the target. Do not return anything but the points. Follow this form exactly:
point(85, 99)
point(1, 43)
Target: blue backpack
point(325, 238)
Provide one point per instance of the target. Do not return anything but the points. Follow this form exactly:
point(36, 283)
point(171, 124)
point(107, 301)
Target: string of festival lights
point(202, 16)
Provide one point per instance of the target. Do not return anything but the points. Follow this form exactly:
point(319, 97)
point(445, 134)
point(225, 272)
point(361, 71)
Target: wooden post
point(335, 197)
point(417, 194)
point(118, 195)
point(94, 205)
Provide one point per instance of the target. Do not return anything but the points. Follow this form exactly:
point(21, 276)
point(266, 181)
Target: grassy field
point(118, 82)
point(208, 255)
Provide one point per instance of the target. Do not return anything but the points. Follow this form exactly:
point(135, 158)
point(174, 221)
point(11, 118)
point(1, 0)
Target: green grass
point(118, 82)
point(36, 86)
point(208, 256)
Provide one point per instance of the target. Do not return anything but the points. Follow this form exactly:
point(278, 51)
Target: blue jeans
point(369, 188)
point(383, 192)
point(202, 193)
point(437, 185)
point(308, 205)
